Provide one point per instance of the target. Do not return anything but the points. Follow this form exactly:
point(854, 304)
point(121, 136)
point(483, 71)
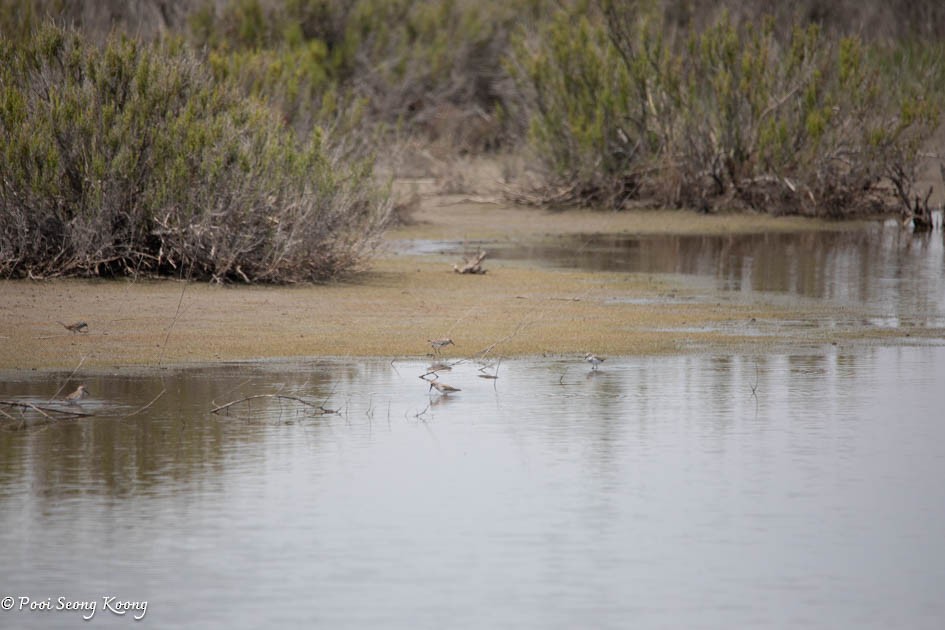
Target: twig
point(482, 353)
point(71, 374)
point(461, 318)
point(153, 400)
point(173, 321)
point(494, 377)
point(72, 413)
point(438, 368)
point(563, 374)
point(281, 396)
point(232, 389)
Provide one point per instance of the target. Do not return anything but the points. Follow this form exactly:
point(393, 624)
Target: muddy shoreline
point(392, 309)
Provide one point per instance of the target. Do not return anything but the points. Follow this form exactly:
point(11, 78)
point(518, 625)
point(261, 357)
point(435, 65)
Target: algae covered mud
point(556, 284)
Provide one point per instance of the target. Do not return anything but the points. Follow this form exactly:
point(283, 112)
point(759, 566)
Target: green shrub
point(579, 94)
point(401, 60)
point(737, 115)
point(131, 159)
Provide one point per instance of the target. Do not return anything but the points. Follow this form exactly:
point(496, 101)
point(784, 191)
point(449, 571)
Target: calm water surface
point(896, 276)
point(712, 491)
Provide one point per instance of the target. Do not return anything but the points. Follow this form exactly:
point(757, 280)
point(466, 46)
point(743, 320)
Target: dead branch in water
point(319, 407)
point(153, 400)
point(43, 410)
point(922, 213)
point(494, 377)
point(68, 378)
point(438, 367)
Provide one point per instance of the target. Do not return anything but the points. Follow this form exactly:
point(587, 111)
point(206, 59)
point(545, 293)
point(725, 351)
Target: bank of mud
point(391, 310)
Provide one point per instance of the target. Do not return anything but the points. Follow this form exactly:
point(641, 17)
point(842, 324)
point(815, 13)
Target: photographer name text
point(88, 607)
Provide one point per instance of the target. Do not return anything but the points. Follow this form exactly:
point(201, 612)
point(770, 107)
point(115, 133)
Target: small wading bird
point(80, 393)
point(77, 327)
point(443, 388)
point(594, 360)
point(440, 343)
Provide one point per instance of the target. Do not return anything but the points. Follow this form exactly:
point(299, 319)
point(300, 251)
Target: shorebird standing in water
point(443, 388)
point(440, 343)
point(594, 360)
point(80, 393)
point(77, 327)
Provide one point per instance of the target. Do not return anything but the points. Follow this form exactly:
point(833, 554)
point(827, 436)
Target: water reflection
point(899, 273)
point(696, 491)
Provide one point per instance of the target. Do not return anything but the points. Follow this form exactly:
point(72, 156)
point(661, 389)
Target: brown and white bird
point(594, 360)
point(440, 343)
point(443, 388)
point(80, 393)
point(76, 327)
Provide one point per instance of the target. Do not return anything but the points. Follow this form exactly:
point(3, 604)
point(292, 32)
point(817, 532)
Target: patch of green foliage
point(131, 158)
point(579, 90)
point(737, 115)
point(623, 102)
point(398, 62)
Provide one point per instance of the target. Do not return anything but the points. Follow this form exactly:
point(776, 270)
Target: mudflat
point(392, 308)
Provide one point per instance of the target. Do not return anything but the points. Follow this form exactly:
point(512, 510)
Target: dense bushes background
point(429, 68)
point(738, 113)
point(129, 158)
point(232, 139)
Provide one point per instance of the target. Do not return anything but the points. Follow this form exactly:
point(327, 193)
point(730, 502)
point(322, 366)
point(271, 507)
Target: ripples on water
point(711, 491)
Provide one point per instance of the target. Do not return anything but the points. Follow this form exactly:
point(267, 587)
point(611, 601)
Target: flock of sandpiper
point(443, 388)
point(437, 345)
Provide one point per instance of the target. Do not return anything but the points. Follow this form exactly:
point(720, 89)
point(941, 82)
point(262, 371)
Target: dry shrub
point(131, 159)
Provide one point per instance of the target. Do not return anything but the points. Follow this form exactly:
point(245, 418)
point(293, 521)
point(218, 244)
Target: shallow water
point(712, 491)
point(898, 275)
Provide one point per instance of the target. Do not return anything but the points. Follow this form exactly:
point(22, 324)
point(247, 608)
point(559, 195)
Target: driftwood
point(43, 409)
point(920, 214)
point(471, 265)
point(566, 195)
point(48, 415)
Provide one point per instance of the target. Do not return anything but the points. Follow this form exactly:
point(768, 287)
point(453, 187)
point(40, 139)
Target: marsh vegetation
point(240, 140)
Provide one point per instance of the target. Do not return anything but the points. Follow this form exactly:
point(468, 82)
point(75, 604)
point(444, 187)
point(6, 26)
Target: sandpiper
point(593, 359)
point(443, 388)
point(440, 343)
point(76, 327)
point(80, 393)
